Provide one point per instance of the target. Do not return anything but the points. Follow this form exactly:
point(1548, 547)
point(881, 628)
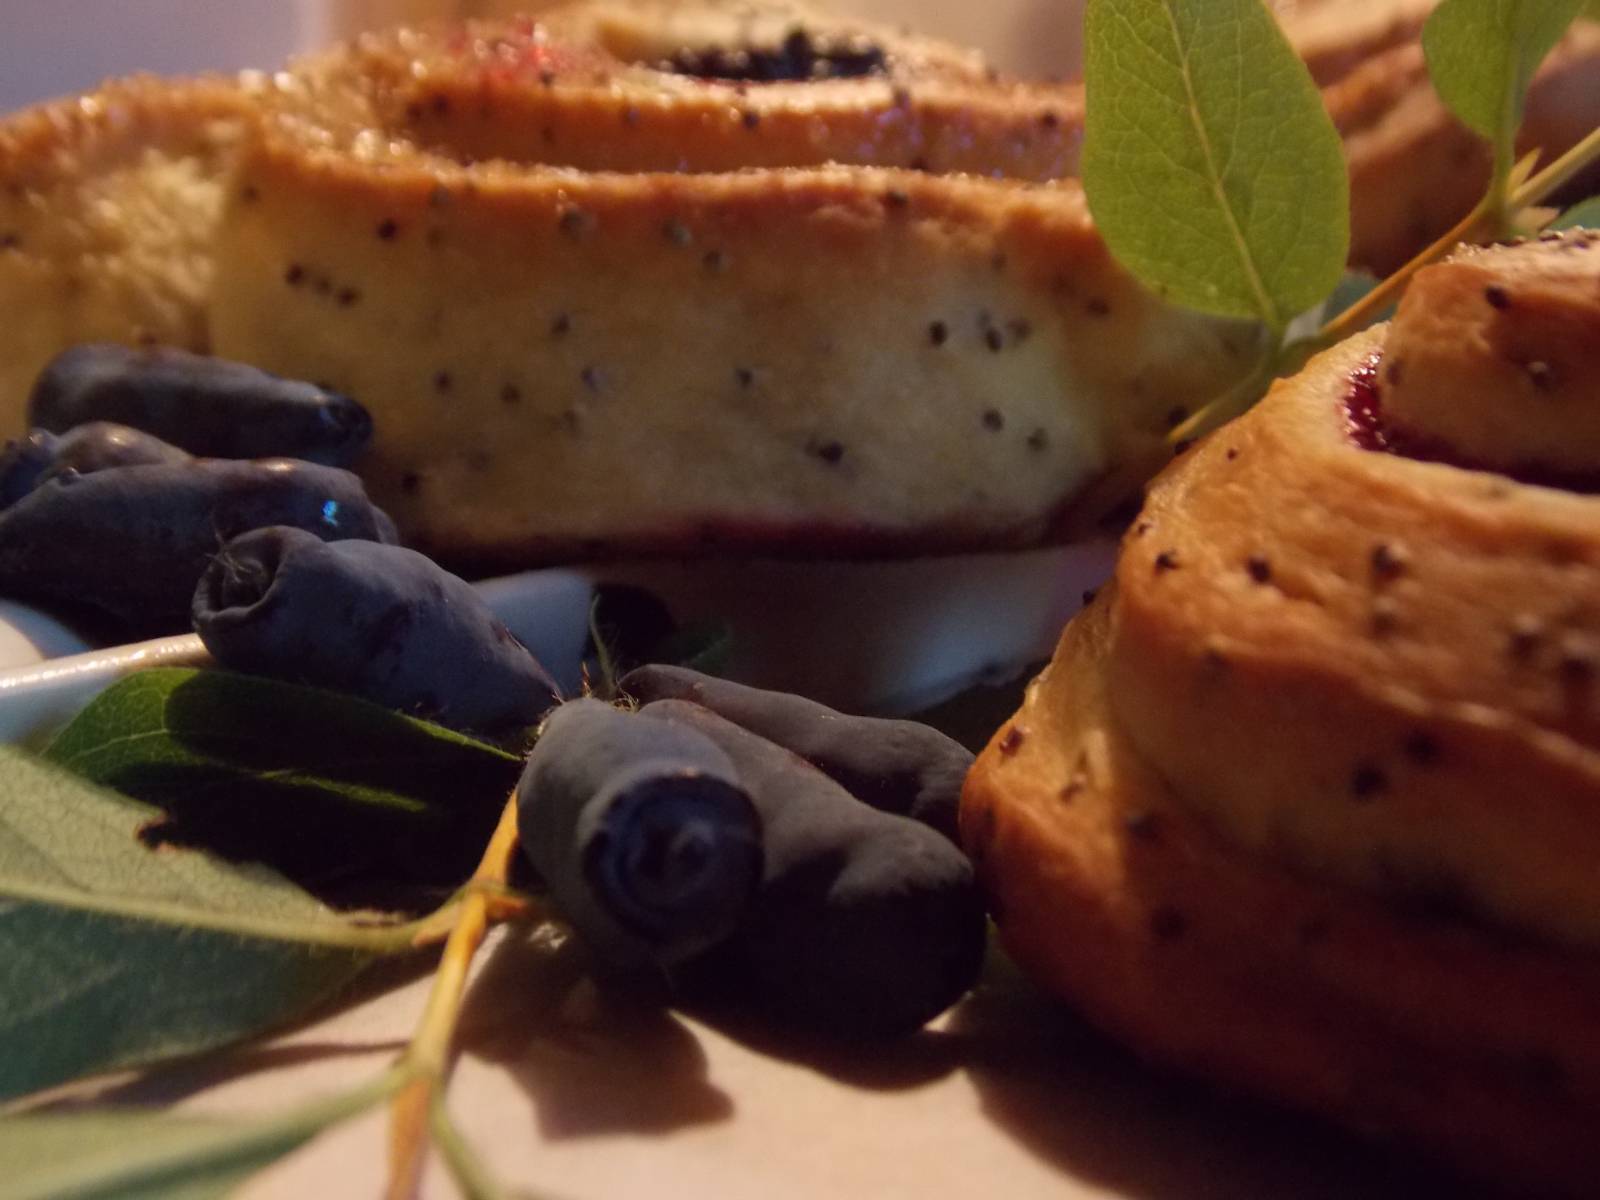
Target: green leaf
point(112, 955)
point(141, 1155)
point(361, 805)
point(1583, 215)
point(131, 1156)
point(1482, 55)
point(1212, 169)
point(704, 646)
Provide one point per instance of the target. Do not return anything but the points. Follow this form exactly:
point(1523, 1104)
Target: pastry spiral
point(1309, 799)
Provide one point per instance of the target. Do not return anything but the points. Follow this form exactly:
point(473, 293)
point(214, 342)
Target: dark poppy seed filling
point(1365, 427)
point(797, 59)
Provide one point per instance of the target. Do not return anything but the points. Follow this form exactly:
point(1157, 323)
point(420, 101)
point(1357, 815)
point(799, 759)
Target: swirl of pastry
point(1494, 359)
point(1309, 798)
point(877, 336)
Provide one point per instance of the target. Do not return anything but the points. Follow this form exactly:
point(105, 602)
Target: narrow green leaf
point(1583, 215)
point(142, 1155)
point(1212, 169)
point(704, 646)
point(1483, 53)
point(113, 955)
point(363, 806)
point(131, 1156)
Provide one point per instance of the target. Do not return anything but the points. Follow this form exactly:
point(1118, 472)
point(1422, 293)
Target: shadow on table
point(895, 1065)
point(596, 1061)
point(593, 1061)
point(1084, 1104)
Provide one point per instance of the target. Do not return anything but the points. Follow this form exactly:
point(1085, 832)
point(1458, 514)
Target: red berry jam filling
point(517, 53)
point(1365, 426)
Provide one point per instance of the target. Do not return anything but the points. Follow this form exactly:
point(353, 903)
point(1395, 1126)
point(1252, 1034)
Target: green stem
point(1363, 311)
point(242, 1149)
point(1235, 400)
point(607, 664)
point(1499, 212)
point(1559, 173)
point(473, 1178)
point(1523, 195)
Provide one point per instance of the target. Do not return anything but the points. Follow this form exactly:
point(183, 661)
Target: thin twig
point(1559, 173)
point(1525, 191)
point(474, 1179)
point(429, 1052)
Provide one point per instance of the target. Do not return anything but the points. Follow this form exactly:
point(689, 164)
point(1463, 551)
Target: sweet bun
point(855, 359)
point(1495, 358)
point(1309, 799)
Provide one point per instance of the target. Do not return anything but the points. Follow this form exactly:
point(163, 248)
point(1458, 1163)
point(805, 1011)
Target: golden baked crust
point(1309, 799)
point(1335, 37)
point(107, 205)
point(856, 361)
point(1109, 890)
point(583, 88)
point(854, 358)
point(1497, 355)
point(1377, 680)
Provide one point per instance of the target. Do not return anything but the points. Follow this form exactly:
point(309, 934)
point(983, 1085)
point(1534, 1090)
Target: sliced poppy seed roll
point(648, 842)
point(376, 621)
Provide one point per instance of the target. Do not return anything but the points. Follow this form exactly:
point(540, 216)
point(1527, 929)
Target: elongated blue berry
point(377, 621)
point(647, 840)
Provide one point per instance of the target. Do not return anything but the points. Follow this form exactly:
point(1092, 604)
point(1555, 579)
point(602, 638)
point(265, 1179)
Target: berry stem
point(1524, 191)
point(471, 1176)
point(429, 1055)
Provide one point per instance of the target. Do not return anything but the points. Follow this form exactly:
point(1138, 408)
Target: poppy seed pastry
point(856, 358)
point(1309, 800)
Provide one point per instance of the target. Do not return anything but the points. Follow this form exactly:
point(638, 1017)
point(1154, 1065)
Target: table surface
point(570, 1092)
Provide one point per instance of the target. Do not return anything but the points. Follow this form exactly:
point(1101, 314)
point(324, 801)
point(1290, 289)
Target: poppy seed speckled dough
point(1309, 799)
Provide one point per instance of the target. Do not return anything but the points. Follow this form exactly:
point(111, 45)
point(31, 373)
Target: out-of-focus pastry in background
point(1036, 39)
